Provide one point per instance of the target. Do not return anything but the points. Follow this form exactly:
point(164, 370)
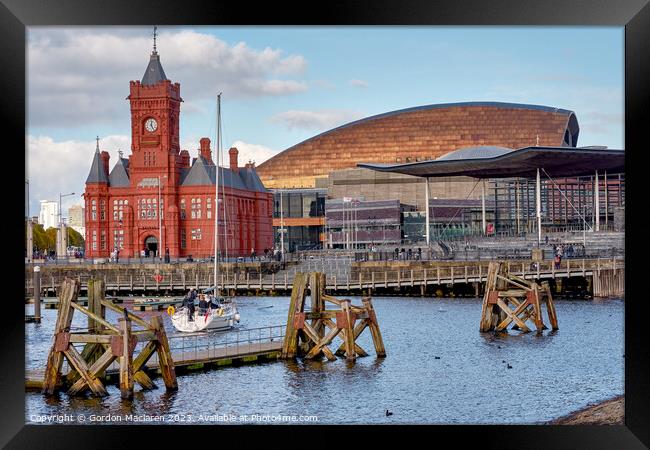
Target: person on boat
point(214, 303)
point(203, 304)
point(188, 302)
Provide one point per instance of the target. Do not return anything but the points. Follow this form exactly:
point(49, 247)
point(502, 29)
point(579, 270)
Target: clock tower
point(155, 112)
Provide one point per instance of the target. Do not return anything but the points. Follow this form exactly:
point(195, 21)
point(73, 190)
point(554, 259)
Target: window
point(94, 239)
point(118, 239)
point(208, 206)
point(183, 213)
point(196, 208)
point(94, 210)
point(103, 240)
point(183, 238)
point(118, 209)
point(102, 210)
point(196, 234)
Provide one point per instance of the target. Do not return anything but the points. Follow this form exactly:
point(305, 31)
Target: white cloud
point(359, 83)
point(251, 152)
point(318, 120)
point(61, 167)
point(80, 76)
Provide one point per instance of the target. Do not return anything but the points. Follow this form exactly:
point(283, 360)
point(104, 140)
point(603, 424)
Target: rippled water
point(552, 374)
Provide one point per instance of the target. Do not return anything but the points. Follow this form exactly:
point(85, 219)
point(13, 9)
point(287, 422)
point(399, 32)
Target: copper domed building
point(416, 134)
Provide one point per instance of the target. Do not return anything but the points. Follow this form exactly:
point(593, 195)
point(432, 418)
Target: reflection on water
point(439, 369)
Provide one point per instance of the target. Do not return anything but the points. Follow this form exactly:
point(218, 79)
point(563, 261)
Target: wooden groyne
point(503, 290)
point(197, 352)
point(103, 343)
point(315, 340)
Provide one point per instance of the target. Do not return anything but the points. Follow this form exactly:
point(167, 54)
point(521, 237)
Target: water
point(552, 374)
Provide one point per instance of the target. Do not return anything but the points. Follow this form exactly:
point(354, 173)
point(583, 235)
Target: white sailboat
point(220, 313)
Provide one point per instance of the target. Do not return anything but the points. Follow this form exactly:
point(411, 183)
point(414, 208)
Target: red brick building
point(123, 204)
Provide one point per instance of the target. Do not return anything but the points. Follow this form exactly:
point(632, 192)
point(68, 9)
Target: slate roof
point(202, 173)
point(97, 173)
point(119, 176)
point(154, 73)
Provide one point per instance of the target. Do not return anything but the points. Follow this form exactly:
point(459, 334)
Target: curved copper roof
point(419, 133)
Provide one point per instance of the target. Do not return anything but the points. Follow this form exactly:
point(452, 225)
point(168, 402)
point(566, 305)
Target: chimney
point(185, 158)
point(104, 156)
point(205, 149)
point(233, 152)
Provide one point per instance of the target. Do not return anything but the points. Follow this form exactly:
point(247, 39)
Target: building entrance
point(151, 246)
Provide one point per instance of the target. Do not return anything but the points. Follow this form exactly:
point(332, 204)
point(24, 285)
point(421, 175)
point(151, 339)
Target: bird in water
point(509, 366)
point(388, 413)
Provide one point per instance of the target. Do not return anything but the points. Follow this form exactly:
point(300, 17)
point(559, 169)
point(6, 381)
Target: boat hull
point(209, 320)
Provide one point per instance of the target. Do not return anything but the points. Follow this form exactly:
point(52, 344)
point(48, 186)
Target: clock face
point(151, 125)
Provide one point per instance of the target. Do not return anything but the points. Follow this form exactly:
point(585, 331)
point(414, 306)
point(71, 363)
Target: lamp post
point(27, 183)
point(61, 231)
point(60, 208)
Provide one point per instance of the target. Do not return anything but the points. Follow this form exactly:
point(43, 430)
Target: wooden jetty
point(155, 305)
point(608, 276)
point(314, 339)
point(503, 289)
point(103, 344)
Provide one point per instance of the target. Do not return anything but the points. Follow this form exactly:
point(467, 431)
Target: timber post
point(374, 328)
point(69, 290)
point(126, 358)
point(37, 293)
point(165, 361)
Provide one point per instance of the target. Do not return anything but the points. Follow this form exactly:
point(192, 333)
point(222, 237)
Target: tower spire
point(154, 39)
point(97, 148)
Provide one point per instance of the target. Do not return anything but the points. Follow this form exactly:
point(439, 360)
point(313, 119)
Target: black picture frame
point(634, 15)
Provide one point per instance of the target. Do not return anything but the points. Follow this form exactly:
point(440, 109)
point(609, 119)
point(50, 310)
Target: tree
point(46, 239)
point(75, 239)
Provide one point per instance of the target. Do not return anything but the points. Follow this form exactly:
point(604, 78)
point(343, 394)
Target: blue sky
point(282, 85)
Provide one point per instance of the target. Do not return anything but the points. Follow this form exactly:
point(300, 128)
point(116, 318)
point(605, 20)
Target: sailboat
point(221, 313)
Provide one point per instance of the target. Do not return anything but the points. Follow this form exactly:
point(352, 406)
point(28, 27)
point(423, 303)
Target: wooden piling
point(126, 369)
point(165, 361)
point(374, 328)
point(290, 344)
point(68, 294)
point(348, 328)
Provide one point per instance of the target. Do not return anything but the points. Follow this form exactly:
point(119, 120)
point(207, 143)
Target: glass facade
point(296, 204)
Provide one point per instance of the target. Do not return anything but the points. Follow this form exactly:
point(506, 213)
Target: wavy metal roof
point(523, 162)
point(484, 151)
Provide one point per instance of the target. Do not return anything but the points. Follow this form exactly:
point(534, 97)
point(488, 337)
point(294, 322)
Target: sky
point(282, 85)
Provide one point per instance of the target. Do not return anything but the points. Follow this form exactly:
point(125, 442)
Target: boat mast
point(216, 197)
